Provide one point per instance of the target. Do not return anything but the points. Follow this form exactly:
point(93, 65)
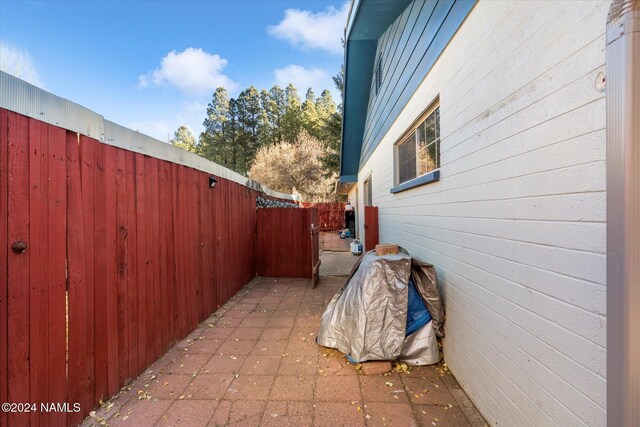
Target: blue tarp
point(417, 315)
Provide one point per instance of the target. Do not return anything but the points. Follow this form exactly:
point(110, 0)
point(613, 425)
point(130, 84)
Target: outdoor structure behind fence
point(330, 215)
point(108, 257)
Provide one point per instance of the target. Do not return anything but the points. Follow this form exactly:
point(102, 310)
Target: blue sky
point(153, 65)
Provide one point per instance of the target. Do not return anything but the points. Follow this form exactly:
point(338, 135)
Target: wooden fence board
point(174, 248)
point(166, 245)
point(87, 150)
point(38, 289)
point(4, 252)
point(122, 265)
point(192, 249)
point(18, 266)
point(200, 244)
point(57, 271)
point(111, 268)
point(101, 284)
point(139, 256)
point(132, 272)
point(151, 167)
point(77, 381)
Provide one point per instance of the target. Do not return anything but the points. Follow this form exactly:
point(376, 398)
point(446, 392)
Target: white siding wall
point(516, 224)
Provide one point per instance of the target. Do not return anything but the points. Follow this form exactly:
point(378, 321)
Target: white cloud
point(17, 62)
point(322, 30)
point(193, 71)
point(190, 114)
point(303, 78)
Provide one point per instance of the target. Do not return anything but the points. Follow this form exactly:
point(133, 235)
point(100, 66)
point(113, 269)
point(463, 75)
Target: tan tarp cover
point(367, 318)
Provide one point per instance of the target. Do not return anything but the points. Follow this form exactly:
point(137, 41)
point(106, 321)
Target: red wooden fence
point(284, 242)
point(371, 229)
point(143, 249)
point(330, 215)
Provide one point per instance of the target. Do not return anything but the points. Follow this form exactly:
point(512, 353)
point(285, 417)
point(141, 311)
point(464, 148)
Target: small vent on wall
point(379, 74)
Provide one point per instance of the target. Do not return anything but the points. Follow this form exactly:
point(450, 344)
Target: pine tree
point(213, 142)
point(292, 120)
point(266, 130)
point(332, 128)
point(236, 129)
point(183, 138)
point(249, 115)
point(276, 109)
point(310, 118)
point(231, 136)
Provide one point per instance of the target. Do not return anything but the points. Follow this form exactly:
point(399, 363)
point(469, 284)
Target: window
point(378, 78)
point(418, 152)
point(368, 193)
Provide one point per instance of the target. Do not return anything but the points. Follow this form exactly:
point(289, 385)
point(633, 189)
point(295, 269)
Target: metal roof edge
point(24, 98)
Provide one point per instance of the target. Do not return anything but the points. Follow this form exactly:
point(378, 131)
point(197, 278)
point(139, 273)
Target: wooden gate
point(288, 242)
point(371, 237)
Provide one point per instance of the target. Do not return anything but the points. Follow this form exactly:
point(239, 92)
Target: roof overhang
point(368, 20)
point(343, 188)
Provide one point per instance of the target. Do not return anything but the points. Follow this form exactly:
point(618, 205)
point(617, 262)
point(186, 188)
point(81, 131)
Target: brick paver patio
point(255, 362)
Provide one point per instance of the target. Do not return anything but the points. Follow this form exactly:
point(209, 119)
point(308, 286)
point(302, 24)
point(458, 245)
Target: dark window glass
point(420, 152)
point(407, 159)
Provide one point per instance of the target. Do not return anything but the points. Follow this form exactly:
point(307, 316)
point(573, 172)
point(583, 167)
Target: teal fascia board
point(348, 179)
point(359, 66)
point(371, 20)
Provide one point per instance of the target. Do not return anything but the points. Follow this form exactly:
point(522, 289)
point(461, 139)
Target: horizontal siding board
point(418, 14)
point(519, 293)
point(393, 44)
point(587, 207)
point(516, 223)
point(505, 368)
point(536, 57)
point(549, 380)
point(578, 236)
point(434, 39)
point(575, 95)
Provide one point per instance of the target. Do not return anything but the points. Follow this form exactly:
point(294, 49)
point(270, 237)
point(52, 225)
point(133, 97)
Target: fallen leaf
point(388, 384)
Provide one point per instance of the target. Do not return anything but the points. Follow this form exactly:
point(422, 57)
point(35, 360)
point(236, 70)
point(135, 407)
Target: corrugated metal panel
point(31, 101)
point(623, 213)
point(24, 98)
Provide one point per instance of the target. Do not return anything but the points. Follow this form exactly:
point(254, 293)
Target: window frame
point(367, 191)
point(406, 137)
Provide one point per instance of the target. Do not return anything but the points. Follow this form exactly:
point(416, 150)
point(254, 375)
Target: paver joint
point(255, 362)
